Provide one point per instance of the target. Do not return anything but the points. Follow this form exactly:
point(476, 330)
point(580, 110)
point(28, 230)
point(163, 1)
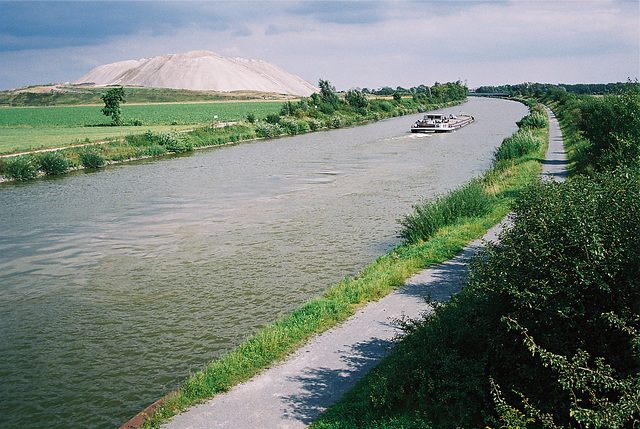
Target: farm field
point(32, 128)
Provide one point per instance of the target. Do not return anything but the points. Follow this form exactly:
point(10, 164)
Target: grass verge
point(278, 340)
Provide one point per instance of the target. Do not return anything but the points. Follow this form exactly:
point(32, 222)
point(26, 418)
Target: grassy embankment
point(278, 118)
point(464, 215)
point(546, 332)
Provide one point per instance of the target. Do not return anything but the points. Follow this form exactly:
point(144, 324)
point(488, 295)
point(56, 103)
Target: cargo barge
point(441, 123)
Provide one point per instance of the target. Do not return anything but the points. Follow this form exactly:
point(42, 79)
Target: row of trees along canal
point(326, 109)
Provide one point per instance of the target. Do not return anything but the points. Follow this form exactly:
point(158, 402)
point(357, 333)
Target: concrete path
point(294, 393)
point(555, 163)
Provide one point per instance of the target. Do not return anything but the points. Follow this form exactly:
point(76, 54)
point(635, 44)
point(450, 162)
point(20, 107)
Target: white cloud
point(388, 43)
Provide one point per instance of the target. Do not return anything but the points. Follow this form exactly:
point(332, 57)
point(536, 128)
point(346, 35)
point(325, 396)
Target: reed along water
point(115, 284)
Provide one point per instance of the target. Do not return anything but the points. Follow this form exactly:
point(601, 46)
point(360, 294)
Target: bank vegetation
point(546, 331)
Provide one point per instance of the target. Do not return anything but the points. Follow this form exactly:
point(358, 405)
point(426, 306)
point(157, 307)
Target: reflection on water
point(115, 284)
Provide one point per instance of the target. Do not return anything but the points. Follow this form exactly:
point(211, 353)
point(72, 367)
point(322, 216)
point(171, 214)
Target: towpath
point(294, 393)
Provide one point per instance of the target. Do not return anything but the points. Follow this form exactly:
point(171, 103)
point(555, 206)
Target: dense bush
point(174, 141)
point(293, 127)
point(336, 121)
point(572, 257)
point(91, 157)
point(356, 99)
point(314, 124)
point(20, 167)
point(266, 129)
point(612, 126)
point(562, 284)
point(53, 162)
point(600, 132)
point(273, 118)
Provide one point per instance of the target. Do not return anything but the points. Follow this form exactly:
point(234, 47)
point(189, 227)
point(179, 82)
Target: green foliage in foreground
point(277, 340)
point(545, 332)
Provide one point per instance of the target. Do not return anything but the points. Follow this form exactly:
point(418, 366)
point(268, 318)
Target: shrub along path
point(294, 393)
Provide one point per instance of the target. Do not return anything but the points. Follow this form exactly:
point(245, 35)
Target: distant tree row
point(328, 102)
point(450, 90)
point(529, 89)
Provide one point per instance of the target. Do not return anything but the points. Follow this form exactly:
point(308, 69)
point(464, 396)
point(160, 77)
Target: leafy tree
point(112, 100)
point(612, 125)
point(356, 99)
point(328, 98)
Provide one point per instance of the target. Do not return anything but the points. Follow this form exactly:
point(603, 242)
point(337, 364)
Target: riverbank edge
point(395, 114)
point(276, 342)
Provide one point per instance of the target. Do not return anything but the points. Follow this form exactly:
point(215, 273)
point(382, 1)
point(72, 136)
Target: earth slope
point(200, 70)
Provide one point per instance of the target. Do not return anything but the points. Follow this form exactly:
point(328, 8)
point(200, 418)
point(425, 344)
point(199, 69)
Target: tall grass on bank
point(389, 272)
point(19, 168)
point(521, 143)
point(52, 163)
point(471, 200)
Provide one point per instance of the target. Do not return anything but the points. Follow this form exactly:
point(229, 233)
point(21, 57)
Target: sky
point(353, 44)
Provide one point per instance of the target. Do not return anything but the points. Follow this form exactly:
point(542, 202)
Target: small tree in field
point(112, 100)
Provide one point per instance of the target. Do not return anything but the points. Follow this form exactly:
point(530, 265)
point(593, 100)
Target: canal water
point(116, 284)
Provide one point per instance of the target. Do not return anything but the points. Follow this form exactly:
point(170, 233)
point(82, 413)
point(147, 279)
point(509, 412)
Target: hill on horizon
point(200, 71)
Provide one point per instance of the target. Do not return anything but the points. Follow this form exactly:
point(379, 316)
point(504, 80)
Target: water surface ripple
point(115, 284)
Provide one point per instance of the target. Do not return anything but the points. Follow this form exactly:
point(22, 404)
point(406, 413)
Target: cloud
point(357, 43)
point(242, 31)
point(342, 12)
point(274, 30)
point(55, 24)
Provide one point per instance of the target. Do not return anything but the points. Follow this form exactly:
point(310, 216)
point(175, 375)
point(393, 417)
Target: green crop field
point(29, 128)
